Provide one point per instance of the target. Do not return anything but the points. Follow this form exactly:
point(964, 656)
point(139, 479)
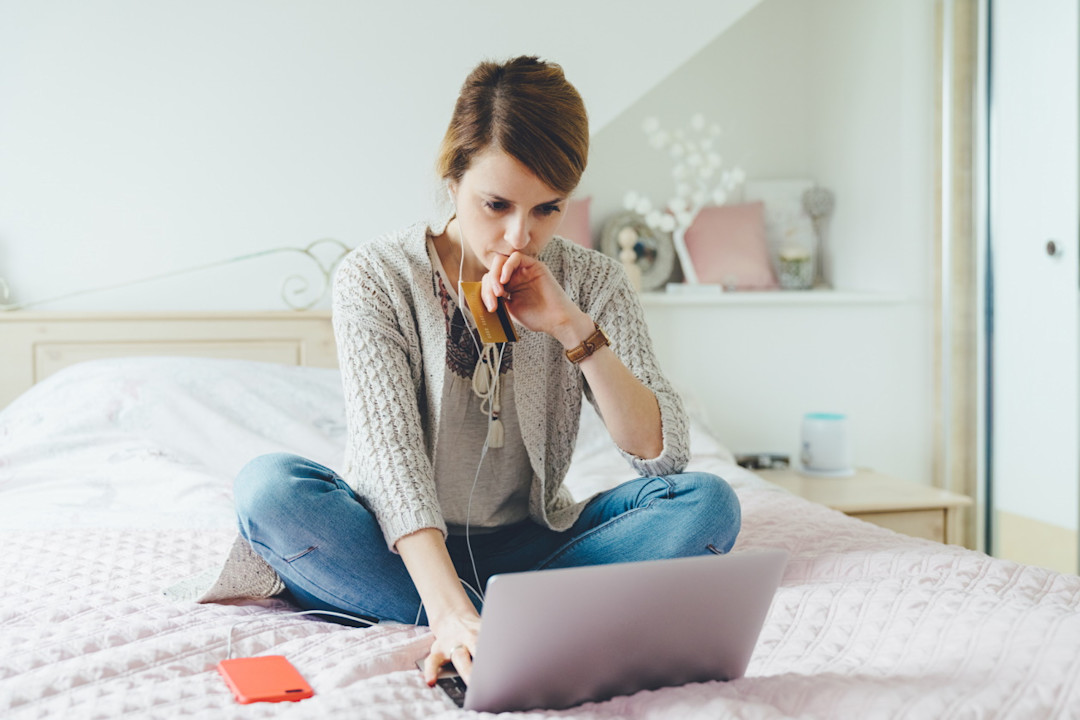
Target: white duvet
point(114, 482)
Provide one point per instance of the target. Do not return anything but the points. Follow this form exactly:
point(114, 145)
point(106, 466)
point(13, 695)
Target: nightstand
point(906, 507)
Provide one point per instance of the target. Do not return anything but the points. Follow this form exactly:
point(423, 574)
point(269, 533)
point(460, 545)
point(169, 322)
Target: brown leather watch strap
point(588, 346)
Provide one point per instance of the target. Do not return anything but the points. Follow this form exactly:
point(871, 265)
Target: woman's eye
point(496, 205)
point(546, 210)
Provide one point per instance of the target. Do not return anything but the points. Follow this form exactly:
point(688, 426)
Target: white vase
point(679, 240)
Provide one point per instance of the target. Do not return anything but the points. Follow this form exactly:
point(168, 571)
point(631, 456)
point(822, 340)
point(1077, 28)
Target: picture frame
point(655, 250)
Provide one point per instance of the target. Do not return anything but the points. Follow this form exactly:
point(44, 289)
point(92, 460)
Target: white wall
point(752, 81)
point(769, 364)
point(872, 112)
point(139, 137)
point(873, 140)
point(838, 91)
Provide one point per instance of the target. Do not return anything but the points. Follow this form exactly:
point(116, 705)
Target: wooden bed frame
point(34, 345)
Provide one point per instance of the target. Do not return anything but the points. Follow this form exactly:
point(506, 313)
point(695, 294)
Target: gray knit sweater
point(391, 338)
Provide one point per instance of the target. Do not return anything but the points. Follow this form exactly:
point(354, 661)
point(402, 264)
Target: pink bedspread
point(867, 623)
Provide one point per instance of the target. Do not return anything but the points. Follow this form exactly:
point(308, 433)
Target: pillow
point(575, 226)
point(727, 246)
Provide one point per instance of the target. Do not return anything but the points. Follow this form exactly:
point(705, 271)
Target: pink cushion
point(575, 225)
point(727, 246)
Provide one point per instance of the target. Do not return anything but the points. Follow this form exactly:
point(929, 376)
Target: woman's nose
point(517, 233)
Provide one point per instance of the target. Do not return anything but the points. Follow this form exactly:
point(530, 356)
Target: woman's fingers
point(490, 286)
point(511, 264)
point(498, 277)
point(488, 293)
point(432, 664)
point(460, 655)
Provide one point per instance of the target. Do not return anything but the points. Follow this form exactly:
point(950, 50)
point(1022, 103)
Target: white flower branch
point(697, 171)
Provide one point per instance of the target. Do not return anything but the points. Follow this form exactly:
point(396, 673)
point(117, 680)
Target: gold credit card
point(494, 327)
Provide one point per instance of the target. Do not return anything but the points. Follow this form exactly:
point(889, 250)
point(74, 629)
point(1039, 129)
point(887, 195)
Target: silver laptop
point(556, 638)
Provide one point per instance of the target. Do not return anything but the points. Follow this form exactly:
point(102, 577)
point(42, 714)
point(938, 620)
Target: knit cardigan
point(391, 336)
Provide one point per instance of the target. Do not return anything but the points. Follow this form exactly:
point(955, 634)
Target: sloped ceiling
point(614, 52)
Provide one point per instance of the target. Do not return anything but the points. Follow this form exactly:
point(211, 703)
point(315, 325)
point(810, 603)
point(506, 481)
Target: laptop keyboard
point(454, 687)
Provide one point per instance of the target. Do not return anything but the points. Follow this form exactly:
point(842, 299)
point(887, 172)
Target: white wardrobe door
point(1034, 160)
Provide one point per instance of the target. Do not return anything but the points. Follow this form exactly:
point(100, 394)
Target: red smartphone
point(268, 678)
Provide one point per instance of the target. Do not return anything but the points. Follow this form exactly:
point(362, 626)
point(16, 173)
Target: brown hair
point(526, 108)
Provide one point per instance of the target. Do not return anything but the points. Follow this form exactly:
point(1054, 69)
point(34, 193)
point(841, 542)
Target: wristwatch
point(588, 346)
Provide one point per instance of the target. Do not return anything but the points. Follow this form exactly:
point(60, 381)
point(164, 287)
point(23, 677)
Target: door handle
point(1053, 249)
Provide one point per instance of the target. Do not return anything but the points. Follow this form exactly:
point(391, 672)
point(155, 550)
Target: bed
point(115, 480)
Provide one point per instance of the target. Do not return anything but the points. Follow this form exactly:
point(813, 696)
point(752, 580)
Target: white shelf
point(770, 298)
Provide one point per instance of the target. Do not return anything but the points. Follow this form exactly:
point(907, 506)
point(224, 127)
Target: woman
point(457, 451)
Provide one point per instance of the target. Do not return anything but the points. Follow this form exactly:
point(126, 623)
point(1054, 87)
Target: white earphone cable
point(476, 478)
point(489, 397)
point(420, 608)
point(354, 618)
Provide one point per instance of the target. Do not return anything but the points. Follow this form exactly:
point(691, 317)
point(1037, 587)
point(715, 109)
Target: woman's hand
point(455, 641)
point(532, 295)
point(454, 620)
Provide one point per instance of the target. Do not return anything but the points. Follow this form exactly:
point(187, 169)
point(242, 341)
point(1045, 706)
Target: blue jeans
point(329, 550)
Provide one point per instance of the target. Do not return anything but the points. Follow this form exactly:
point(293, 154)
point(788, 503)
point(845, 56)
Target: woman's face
point(503, 207)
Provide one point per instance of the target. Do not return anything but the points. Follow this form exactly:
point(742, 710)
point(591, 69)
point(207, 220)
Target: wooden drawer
point(929, 524)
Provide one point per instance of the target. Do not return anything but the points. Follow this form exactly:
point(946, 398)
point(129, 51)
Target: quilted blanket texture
point(110, 494)
point(865, 625)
